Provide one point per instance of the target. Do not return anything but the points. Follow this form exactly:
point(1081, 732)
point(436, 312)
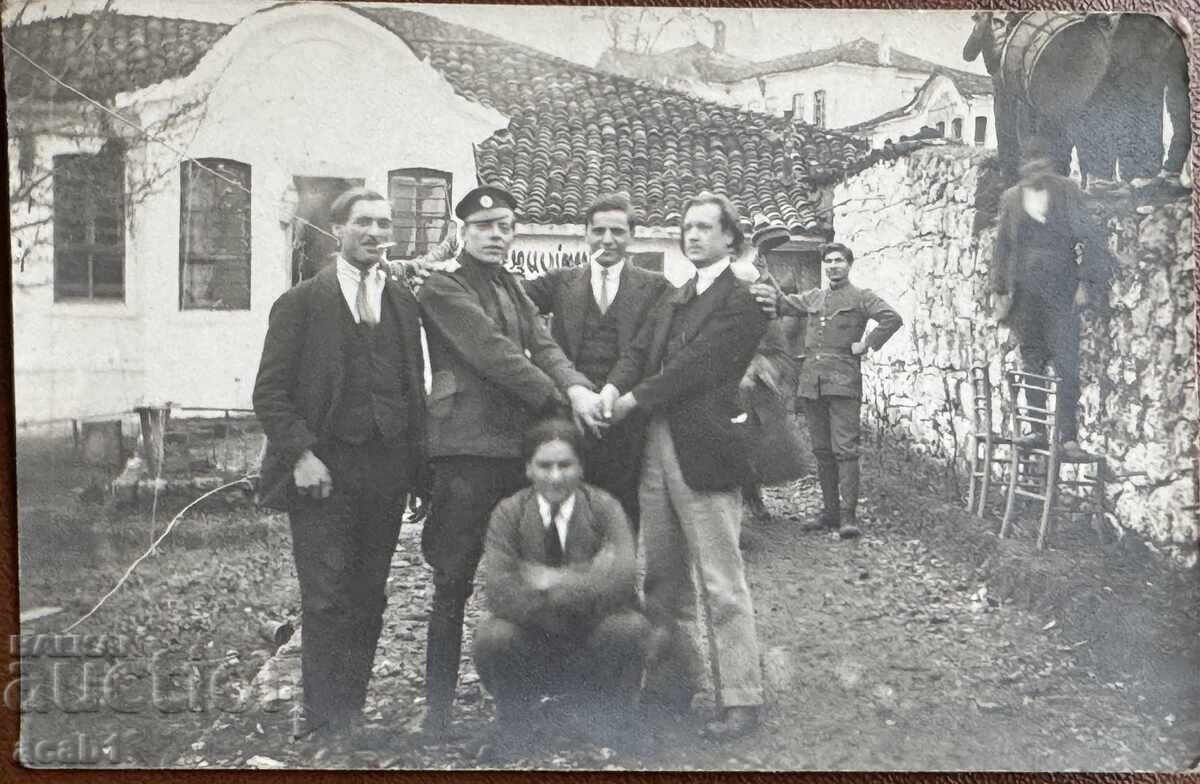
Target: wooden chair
point(1036, 471)
point(984, 442)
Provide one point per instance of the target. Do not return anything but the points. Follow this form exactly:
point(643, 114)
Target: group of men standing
point(649, 375)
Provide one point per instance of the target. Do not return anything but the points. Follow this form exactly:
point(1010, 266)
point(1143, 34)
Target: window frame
point(99, 192)
point(419, 172)
point(186, 211)
point(820, 108)
point(981, 132)
point(799, 106)
point(956, 128)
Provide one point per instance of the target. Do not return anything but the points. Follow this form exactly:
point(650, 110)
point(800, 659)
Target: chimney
point(885, 49)
point(719, 37)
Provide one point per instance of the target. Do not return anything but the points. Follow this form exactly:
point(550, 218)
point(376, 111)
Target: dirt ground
point(925, 645)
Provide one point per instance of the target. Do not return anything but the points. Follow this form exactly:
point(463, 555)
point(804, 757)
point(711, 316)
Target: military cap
point(768, 234)
point(486, 202)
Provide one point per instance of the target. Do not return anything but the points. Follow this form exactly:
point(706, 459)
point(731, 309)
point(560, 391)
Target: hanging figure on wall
point(1039, 283)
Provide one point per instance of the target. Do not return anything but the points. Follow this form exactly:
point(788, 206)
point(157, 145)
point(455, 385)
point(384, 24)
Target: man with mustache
point(341, 397)
point(598, 308)
point(495, 369)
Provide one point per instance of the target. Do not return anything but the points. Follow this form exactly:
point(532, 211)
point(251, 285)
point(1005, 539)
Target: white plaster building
point(836, 87)
point(938, 104)
point(141, 277)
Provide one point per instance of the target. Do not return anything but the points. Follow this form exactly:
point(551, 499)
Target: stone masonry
point(912, 223)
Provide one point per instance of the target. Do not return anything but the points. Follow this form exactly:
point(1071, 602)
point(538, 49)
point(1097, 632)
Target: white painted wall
point(853, 93)
point(555, 241)
point(64, 353)
point(309, 90)
point(944, 104)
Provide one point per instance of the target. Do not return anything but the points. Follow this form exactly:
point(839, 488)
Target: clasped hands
point(596, 412)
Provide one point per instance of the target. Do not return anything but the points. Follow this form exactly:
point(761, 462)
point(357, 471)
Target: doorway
point(312, 250)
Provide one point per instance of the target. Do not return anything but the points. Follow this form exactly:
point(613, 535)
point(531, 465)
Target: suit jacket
point(696, 385)
point(300, 376)
point(598, 575)
point(566, 292)
point(487, 387)
point(1066, 216)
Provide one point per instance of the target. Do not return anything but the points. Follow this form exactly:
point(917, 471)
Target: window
point(89, 225)
point(956, 128)
point(214, 235)
point(941, 128)
point(819, 108)
point(799, 109)
point(649, 260)
point(980, 130)
point(420, 210)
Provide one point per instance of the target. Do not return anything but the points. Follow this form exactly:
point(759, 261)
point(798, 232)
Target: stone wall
point(912, 223)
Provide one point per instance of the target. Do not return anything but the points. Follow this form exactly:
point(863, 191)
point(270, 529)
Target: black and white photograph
point(443, 387)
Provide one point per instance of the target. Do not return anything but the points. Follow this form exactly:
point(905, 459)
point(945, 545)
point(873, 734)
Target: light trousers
point(685, 530)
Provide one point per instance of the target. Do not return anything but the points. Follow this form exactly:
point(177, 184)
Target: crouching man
point(559, 576)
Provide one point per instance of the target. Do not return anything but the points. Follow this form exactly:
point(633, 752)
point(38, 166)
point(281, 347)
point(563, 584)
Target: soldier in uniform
point(831, 376)
point(495, 369)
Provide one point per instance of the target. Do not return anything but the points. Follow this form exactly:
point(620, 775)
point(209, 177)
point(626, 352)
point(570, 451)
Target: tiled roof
point(103, 54)
point(862, 52)
point(712, 67)
point(574, 132)
point(899, 111)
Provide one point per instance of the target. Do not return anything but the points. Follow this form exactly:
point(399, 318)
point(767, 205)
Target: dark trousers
point(598, 659)
point(1046, 324)
point(833, 427)
point(1016, 122)
point(614, 463)
point(465, 489)
point(343, 547)
point(1178, 106)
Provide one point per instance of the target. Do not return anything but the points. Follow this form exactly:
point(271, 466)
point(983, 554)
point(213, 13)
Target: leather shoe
point(735, 723)
point(826, 521)
point(1071, 452)
point(1031, 441)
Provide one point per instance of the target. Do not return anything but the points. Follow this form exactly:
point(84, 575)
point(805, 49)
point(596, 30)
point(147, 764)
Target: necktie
point(554, 552)
point(689, 290)
point(604, 301)
point(362, 302)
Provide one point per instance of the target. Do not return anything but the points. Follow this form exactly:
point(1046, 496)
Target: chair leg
point(1051, 498)
point(1010, 502)
point(988, 451)
point(1098, 499)
point(974, 471)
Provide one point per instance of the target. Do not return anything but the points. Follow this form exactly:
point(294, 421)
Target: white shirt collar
point(614, 279)
point(348, 278)
point(564, 516)
point(614, 270)
point(706, 276)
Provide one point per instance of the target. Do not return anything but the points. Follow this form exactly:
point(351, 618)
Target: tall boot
point(443, 649)
point(827, 476)
point(848, 486)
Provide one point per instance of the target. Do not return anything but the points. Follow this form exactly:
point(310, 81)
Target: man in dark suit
point(561, 582)
point(495, 368)
point(683, 370)
point(598, 309)
point(341, 398)
point(1040, 285)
